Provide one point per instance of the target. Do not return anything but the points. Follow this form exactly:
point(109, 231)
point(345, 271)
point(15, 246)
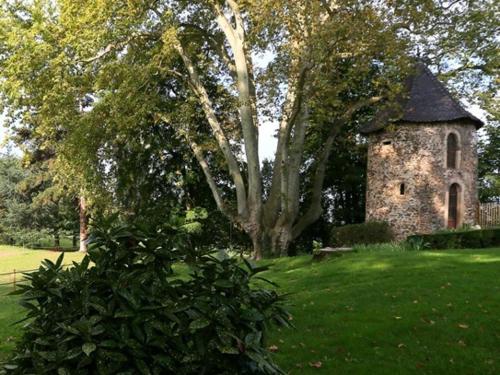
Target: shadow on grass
point(10, 312)
point(432, 312)
point(371, 263)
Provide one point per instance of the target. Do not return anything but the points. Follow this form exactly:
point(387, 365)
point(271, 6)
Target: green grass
point(9, 312)
point(378, 311)
point(391, 312)
point(19, 259)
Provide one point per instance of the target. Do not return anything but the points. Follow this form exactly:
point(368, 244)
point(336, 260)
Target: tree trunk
point(257, 242)
point(57, 240)
point(84, 220)
point(275, 226)
point(74, 240)
point(281, 239)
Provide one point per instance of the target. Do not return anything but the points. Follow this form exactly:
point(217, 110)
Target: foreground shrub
point(361, 234)
point(459, 239)
point(128, 313)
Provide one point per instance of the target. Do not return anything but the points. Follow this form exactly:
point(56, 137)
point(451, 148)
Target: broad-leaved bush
point(124, 310)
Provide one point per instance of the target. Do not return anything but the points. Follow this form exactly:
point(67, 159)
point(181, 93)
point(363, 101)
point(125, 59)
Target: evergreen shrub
point(468, 239)
point(367, 233)
point(123, 310)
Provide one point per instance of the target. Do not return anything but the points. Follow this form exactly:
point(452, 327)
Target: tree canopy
point(84, 77)
point(32, 206)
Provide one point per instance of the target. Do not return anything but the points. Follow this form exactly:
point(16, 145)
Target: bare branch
point(222, 141)
point(110, 47)
point(198, 153)
point(237, 17)
point(119, 45)
point(360, 104)
point(465, 67)
point(294, 163)
point(246, 95)
point(292, 106)
point(329, 7)
point(216, 44)
point(314, 211)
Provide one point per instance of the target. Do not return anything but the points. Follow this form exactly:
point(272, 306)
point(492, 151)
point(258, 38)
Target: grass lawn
point(376, 312)
point(20, 259)
point(392, 313)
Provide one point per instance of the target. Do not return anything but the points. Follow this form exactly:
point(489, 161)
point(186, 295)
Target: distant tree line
point(33, 212)
point(489, 163)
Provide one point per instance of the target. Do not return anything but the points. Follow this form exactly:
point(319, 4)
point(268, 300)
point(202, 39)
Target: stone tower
point(422, 167)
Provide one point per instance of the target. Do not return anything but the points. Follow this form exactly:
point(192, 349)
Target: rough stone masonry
point(411, 183)
point(408, 179)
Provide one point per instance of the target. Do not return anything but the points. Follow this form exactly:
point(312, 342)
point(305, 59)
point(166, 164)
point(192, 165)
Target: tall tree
point(15, 210)
point(57, 53)
point(53, 209)
point(31, 205)
point(489, 164)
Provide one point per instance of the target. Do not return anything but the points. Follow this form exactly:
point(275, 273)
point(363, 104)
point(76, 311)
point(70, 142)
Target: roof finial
point(421, 57)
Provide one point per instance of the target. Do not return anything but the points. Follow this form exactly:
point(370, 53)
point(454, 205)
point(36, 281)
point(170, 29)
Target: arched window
point(453, 209)
point(452, 151)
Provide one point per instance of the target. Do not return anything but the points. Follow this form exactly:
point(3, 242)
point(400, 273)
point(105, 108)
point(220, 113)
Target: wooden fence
point(16, 277)
point(488, 215)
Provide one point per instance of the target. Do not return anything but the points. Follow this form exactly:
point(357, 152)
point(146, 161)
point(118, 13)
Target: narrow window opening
point(452, 151)
point(453, 210)
point(386, 142)
point(402, 189)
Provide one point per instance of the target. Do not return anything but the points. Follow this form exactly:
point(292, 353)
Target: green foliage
point(123, 310)
point(96, 82)
point(371, 232)
point(32, 207)
point(317, 246)
point(416, 243)
point(489, 162)
point(19, 259)
point(465, 239)
point(192, 222)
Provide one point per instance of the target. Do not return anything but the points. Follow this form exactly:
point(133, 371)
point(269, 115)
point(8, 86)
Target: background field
point(20, 259)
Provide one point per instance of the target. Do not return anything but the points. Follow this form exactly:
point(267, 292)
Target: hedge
point(459, 240)
point(367, 233)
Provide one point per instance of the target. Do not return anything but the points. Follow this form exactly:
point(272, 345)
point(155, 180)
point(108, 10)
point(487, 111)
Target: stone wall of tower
point(415, 155)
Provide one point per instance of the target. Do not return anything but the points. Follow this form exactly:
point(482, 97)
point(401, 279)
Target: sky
point(4, 147)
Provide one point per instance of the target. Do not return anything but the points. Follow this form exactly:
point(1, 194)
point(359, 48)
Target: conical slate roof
point(427, 101)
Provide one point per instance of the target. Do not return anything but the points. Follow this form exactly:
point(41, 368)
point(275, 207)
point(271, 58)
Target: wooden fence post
point(489, 214)
point(477, 219)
